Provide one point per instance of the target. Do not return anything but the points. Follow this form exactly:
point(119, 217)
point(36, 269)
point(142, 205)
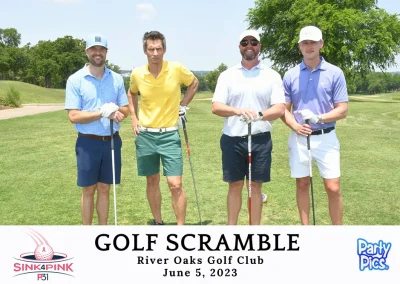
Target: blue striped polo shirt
point(87, 93)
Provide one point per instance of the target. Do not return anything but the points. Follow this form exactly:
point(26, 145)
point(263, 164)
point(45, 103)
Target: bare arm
point(124, 110)
point(274, 112)
point(224, 110)
point(190, 92)
point(78, 116)
point(133, 103)
point(133, 107)
point(288, 117)
point(339, 112)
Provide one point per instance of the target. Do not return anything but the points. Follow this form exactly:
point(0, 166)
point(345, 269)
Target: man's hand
point(182, 115)
point(117, 116)
point(308, 114)
point(107, 109)
point(251, 115)
point(135, 125)
point(303, 129)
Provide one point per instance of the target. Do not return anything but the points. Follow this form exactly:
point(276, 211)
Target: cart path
point(29, 109)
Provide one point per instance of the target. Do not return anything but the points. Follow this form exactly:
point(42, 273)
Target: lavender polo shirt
point(87, 93)
point(317, 90)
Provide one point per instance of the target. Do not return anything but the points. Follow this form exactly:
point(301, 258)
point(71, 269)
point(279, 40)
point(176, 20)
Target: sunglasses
point(245, 42)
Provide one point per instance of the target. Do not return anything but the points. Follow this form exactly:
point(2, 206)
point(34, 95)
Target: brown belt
point(103, 138)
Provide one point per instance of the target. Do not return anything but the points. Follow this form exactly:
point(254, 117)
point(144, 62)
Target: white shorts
point(325, 151)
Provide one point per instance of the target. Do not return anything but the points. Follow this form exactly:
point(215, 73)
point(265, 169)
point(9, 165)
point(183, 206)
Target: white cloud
point(146, 11)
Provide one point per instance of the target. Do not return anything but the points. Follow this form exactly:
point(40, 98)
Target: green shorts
point(151, 147)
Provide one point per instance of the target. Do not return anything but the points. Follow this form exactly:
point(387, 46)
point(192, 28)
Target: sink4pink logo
point(43, 261)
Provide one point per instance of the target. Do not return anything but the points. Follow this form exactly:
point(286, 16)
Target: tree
point(10, 37)
point(212, 77)
point(359, 37)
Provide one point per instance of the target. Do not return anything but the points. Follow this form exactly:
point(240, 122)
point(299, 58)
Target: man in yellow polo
point(156, 128)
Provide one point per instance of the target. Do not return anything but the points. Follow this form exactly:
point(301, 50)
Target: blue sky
point(200, 34)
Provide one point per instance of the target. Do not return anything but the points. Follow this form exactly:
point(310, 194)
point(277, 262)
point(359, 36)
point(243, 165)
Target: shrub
point(13, 97)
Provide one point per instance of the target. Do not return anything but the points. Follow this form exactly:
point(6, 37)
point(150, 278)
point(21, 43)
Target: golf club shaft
point(249, 161)
point(191, 167)
point(310, 168)
point(113, 169)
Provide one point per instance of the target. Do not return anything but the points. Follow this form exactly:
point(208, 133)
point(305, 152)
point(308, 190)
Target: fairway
point(38, 171)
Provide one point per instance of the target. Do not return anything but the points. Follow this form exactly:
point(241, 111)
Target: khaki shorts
point(325, 151)
point(151, 148)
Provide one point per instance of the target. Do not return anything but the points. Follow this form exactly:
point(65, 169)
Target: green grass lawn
point(38, 171)
point(33, 94)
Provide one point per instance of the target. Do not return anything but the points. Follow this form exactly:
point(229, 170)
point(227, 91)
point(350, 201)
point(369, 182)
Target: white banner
point(199, 254)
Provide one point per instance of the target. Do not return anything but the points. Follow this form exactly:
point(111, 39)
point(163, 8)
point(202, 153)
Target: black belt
point(253, 135)
point(323, 131)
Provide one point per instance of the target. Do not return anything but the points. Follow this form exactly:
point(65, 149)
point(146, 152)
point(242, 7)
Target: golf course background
point(38, 168)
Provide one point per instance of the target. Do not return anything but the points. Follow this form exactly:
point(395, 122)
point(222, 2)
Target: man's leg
point(87, 204)
point(102, 202)
point(154, 196)
point(256, 202)
point(303, 199)
point(332, 187)
point(234, 201)
point(179, 201)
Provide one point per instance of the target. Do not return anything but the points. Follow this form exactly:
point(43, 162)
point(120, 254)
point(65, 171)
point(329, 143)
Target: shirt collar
point(164, 68)
point(87, 73)
point(258, 66)
point(321, 65)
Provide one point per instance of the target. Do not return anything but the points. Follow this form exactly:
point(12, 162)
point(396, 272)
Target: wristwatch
point(319, 118)
point(260, 114)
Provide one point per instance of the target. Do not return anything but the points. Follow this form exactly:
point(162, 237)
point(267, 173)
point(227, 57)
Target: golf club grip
point(308, 136)
point(184, 130)
point(112, 133)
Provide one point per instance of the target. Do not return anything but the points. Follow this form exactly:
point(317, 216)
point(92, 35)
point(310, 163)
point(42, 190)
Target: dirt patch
point(4, 107)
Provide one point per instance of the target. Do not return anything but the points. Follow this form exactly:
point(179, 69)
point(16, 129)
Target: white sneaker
point(264, 197)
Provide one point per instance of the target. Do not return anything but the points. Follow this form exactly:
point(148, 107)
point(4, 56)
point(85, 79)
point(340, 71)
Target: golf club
point(191, 166)
point(113, 169)
point(310, 165)
point(249, 180)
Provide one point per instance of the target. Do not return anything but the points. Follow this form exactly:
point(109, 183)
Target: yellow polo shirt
point(160, 97)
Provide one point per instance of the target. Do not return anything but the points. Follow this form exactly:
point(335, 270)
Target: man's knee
point(175, 185)
point(332, 187)
point(303, 184)
point(236, 187)
point(103, 189)
point(153, 180)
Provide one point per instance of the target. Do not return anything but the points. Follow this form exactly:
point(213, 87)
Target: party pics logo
point(43, 261)
point(373, 256)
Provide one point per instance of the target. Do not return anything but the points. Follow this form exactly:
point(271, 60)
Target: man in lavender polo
point(315, 90)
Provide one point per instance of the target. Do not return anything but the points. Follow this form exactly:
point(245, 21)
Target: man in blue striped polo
point(94, 96)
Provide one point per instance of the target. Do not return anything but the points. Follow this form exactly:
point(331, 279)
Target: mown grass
point(38, 171)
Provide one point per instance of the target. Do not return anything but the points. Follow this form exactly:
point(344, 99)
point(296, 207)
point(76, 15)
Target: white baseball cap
point(252, 33)
point(310, 33)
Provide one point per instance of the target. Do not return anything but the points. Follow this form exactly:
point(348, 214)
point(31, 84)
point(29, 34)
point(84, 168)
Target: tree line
point(47, 64)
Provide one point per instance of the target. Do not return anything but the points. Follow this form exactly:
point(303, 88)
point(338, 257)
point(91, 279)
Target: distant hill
point(33, 94)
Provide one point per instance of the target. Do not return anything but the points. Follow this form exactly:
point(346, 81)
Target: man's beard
point(249, 56)
point(96, 63)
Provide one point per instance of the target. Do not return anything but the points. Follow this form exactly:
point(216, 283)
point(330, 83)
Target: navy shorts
point(94, 160)
point(235, 163)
